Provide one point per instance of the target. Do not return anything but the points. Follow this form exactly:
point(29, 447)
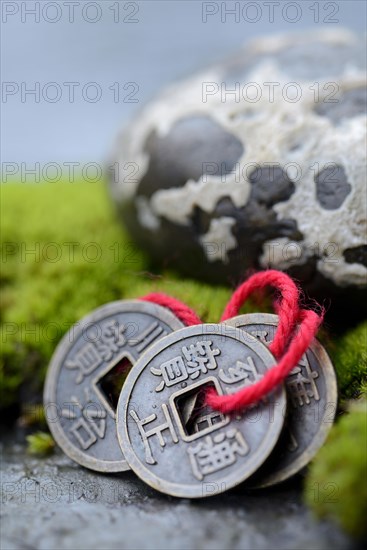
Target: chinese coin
point(87, 371)
point(170, 438)
point(312, 400)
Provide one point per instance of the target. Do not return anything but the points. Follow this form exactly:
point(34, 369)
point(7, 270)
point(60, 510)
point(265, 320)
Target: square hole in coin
point(196, 418)
point(110, 384)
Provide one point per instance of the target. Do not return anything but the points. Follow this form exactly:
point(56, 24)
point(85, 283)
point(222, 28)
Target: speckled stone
point(224, 183)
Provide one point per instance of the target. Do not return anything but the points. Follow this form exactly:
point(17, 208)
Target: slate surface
point(52, 503)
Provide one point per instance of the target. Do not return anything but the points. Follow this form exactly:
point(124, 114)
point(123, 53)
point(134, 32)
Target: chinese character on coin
point(87, 371)
point(176, 443)
point(312, 399)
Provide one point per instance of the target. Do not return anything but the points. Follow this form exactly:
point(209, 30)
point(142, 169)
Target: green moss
point(63, 254)
point(40, 443)
point(349, 355)
point(336, 485)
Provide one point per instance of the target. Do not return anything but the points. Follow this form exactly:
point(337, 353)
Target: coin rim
point(331, 397)
point(192, 490)
point(57, 361)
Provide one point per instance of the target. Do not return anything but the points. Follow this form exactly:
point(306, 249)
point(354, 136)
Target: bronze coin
point(170, 438)
point(85, 375)
point(312, 400)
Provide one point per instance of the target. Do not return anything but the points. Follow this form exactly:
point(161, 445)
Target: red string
point(287, 306)
point(181, 310)
point(289, 315)
point(310, 322)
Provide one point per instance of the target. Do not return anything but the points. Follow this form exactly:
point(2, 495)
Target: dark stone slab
point(54, 504)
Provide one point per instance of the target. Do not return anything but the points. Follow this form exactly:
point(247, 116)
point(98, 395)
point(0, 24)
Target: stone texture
point(351, 103)
point(332, 187)
point(358, 254)
point(226, 182)
point(196, 138)
point(54, 504)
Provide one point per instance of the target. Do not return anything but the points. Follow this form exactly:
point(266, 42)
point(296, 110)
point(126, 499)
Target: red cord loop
point(303, 336)
point(289, 315)
point(287, 307)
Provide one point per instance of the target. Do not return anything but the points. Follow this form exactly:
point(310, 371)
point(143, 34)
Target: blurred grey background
point(129, 50)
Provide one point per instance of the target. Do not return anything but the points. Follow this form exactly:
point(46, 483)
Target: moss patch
point(336, 484)
point(349, 354)
point(63, 254)
point(40, 443)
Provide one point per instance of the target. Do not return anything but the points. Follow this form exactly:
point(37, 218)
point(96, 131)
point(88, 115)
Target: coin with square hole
point(176, 443)
point(312, 397)
point(87, 372)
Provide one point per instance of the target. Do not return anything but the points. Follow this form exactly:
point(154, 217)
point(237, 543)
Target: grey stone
point(54, 504)
point(180, 155)
point(270, 184)
point(332, 187)
point(356, 255)
point(298, 61)
point(286, 183)
point(351, 103)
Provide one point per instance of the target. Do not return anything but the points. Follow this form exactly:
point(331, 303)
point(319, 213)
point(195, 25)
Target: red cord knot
point(302, 338)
